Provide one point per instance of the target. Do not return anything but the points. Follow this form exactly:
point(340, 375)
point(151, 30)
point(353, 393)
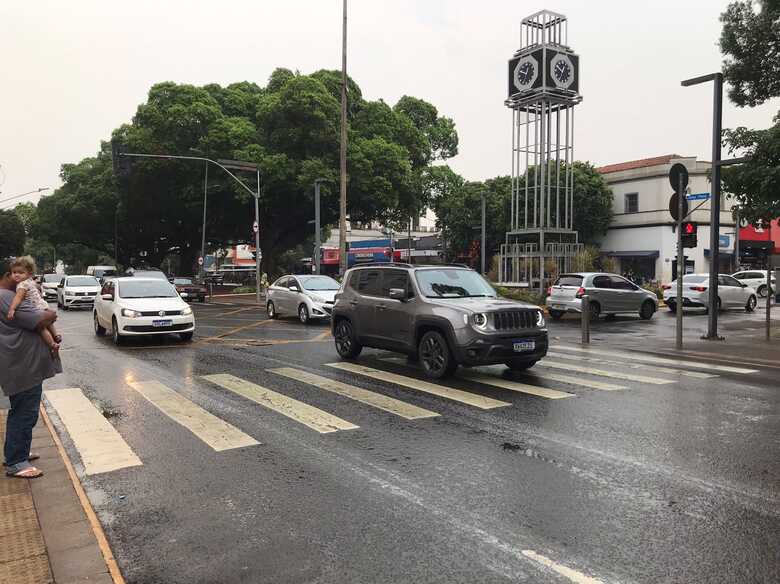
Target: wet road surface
point(236, 458)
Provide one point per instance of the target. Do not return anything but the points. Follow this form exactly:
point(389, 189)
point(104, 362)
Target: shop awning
point(632, 254)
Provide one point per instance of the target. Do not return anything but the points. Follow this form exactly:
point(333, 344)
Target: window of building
point(632, 202)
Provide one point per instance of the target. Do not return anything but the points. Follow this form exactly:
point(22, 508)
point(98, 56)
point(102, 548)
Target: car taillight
point(667, 286)
point(549, 291)
point(698, 288)
point(580, 292)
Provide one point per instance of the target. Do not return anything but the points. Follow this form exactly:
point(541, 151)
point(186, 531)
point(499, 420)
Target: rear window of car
point(182, 281)
point(569, 280)
point(695, 279)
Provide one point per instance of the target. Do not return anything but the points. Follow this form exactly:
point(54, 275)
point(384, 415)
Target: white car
point(77, 292)
point(308, 297)
point(131, 307)
point(731, 293)
point(756, 279)
point(49, 283)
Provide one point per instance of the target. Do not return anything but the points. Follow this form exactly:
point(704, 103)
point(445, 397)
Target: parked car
point(49, 283)
point(137, 306)
point(309, 297)
point(77, 291)
point(150, 273)
point(189, 289)
point(756, 279)
point(731, 293)
point(444, 316)
point(608, 294)
point(100, 272)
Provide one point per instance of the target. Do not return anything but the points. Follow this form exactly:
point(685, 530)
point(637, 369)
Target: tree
point(750, 42)
point(28, 215)
point(592, 205)
point(12, 235)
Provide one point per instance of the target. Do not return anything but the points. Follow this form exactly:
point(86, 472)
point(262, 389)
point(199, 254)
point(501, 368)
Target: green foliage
point(12, 234)
point(592, 203)
point(28, 215)
point(290, 128)
point(585, 259)
point(521, 294)
point(755, 184)
point(750, 42)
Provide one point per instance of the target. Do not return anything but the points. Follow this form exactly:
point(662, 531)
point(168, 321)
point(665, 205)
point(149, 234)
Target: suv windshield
point(452, 283)
point(147, 289)
point(51, 278)
point(318, 283)
point(82, 281)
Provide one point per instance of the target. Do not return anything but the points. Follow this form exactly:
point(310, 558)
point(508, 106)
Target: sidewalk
point(47, 535)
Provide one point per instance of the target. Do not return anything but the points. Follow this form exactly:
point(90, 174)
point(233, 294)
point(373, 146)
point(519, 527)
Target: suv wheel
point(647, 310)
point(435, 355)
point(347, 345)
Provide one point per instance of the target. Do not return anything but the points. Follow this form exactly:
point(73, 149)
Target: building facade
point(642, 236)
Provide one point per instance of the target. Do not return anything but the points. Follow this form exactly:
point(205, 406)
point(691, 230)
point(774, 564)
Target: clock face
point(562, 71)
point(526, 73)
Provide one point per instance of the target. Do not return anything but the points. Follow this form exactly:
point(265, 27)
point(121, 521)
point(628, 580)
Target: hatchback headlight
point(187, 311)
point(480, 320)
point(316, 298)
point(540, 319)
point(130, 313)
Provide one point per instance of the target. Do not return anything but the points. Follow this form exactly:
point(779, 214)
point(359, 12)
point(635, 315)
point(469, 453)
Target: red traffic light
point(689, 228)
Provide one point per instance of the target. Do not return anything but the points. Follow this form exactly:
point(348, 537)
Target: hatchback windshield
point(82, 281)
point(51, 278)
point(147, 289)
point(451, 283)
point(318, 283)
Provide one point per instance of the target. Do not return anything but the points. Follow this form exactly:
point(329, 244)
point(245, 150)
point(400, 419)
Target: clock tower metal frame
point(543, 90)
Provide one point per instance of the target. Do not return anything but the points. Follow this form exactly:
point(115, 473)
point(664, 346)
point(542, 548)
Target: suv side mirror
point(398, 294)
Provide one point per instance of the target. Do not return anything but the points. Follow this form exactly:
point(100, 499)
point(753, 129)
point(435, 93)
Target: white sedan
point(308, 297)
point(133, 306)
point(731, 293)
point(77, 292)
point(756, 279)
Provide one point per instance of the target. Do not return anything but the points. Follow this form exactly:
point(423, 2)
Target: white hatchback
point(307, 296)
point(731, 293)
point(134, 306)
point(77, 292)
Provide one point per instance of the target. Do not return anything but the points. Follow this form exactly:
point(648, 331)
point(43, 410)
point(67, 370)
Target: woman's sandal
point(26, 473)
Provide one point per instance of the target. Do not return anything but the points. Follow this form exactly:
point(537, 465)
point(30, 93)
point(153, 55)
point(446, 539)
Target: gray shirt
point(25, 360)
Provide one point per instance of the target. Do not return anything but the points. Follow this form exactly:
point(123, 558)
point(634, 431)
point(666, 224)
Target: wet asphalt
point(654, 483)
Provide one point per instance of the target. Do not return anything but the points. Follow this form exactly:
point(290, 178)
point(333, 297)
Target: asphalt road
point(638, 471)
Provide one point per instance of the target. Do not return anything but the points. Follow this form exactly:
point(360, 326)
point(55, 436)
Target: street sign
point(698, 196)
point(200, 260)
point(678, 170)
point(674, 206)
point(255, 227)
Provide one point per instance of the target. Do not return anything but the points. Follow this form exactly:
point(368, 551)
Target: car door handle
point(381, 307)
point(353, 302)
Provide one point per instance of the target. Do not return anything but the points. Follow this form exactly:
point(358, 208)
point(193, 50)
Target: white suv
point(756, 279)
point(77, 291)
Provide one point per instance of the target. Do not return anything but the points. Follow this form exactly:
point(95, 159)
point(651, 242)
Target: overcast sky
point(73, 71)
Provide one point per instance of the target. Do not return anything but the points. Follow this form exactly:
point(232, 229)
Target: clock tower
point(544, 87)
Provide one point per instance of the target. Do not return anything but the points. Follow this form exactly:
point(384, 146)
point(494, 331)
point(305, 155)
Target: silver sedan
point(608, 294)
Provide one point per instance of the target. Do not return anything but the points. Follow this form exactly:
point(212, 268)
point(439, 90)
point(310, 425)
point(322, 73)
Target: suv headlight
point(540, 319)
point(186, 311)
point(480, 320)
point(130, 313)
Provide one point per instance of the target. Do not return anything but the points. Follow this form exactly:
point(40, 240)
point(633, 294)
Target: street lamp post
point(202, 266)
point(343, 151)
point(39, 190)
point(317, 227)
point(482, 245)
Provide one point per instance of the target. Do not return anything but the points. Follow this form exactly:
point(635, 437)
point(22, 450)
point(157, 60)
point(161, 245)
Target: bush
point(244, 290)
point(521, 294)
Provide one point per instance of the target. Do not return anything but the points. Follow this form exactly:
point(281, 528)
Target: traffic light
point(122, 164)
point(689, 234)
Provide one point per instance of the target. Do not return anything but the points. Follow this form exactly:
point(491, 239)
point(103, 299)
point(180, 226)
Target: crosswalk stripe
point(603, 372)
point(458, 395)
point(668, 370)
point(514, 385)
point(101, 447)
point(649, 359)
point(377, 400)
point(215, 432)
point(314, 418)
point(530, 376)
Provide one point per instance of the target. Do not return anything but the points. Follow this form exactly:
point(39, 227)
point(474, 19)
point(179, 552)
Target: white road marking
point(215, 432)
point(458, 395)
point(662, 360)
point(604, 373)
point(514, 385)
point(629, 365)
point(314, 418)
point(573, 575)
point(377, 400)
point(601, 385)
point(100, 446)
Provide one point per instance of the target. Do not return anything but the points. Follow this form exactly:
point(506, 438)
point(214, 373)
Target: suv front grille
point(514, 319)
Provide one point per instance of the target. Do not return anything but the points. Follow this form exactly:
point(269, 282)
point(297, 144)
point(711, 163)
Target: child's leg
point(50, 342)
point(55, 335)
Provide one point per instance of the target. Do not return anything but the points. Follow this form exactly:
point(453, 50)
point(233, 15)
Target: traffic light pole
point(717, 121)
point(258, 279)
point(680, 263)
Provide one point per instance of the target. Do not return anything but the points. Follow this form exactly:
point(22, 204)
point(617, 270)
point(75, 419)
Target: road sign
point(200, 260)
point(674, 206)
point(678, 170)
point(255, 227)
point(698, 196)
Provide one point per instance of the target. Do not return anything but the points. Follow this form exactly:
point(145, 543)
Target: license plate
point(523, 345)
point(160, 323)
point(559, 307)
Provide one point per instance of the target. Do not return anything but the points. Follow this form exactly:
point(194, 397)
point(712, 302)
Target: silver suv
point(444, 316)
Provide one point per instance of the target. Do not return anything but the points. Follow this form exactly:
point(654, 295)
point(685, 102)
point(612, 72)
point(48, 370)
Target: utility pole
point(256, 226)
point(317, 227)
point(769, 282)
point(202, 266)
point(343, 152)
point(482, 245)
point(409, 242)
